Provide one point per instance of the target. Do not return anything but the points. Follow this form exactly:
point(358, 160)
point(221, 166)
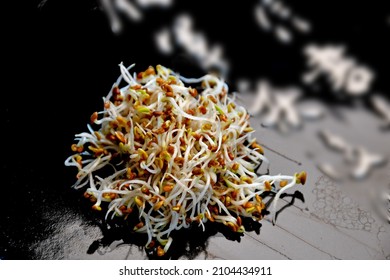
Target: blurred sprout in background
point(132, 9)
point(277, 18)
point(183, 35)
point(344, 73)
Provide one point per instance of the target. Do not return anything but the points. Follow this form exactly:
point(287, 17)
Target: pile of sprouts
point(178, 151)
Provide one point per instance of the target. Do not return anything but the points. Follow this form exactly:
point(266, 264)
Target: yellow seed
point(232, 226)
point(172, 80)
point(267, 186)
point(258, 198)
point(121, 120)
point(235, 166)
point(213, 99)
point(98, 135)
point(120, 136)
point(258, 147)
point(206, 126)
point(74, 147)
point(149, 71)
point(142, 109)
point(159, 162)
point(160, 251)
point(246, 180)
point(224, 138)
point(97, 151)
point(283, 183)
point(229, 108)
point(158, 205)
point(165, 155)
point(139, 201)
point(129, 174)
point(250, 210)
point(176, 208)
point(143, 155)
point(166, 124)
point(78, 159)
point(97, 207)
point(149, 134)
point(301, 178)
point(227, 201)
point(241, 229)
point(138, 133)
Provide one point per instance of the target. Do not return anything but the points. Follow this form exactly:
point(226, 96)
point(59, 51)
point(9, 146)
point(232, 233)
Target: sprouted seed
point(179, 151)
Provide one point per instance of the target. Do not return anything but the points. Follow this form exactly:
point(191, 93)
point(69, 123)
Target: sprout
point(178, 154)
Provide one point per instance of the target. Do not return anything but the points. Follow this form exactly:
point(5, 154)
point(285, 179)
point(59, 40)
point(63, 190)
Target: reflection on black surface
point(187, 243)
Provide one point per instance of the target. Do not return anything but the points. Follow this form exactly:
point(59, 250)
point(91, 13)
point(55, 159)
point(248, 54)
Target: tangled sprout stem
point(176, 156)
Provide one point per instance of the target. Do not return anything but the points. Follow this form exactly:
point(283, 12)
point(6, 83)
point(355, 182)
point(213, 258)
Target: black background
point(60, 59)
